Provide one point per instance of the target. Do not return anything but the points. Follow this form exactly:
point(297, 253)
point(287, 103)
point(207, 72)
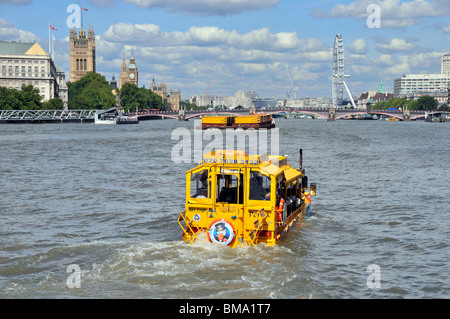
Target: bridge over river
point(80, 116)
point(331, 114)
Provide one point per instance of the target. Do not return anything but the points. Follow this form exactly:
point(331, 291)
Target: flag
point(53, 28)
point(84, 9)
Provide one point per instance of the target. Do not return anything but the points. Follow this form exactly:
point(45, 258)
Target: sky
point(222, 46)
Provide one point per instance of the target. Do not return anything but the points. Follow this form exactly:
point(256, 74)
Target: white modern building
point(239, 99)
point(421, 84)
point(445, 64)
point(28, 64)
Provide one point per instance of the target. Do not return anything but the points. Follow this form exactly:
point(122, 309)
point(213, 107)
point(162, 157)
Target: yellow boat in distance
point(252, 121)
point(241, 200)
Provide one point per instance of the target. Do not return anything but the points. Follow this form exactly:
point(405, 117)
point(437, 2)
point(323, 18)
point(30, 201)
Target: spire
point(82, 33)
point(132, 65)
point(124, 65)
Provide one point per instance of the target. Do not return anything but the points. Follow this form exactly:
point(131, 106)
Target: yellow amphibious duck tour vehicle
point(237, 199)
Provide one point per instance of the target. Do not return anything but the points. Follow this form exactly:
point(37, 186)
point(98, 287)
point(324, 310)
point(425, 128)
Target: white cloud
point(9, 32)
point(400, 68)
point(206, 36)
point(132, 32)
point(206, 7)
point(424, 62)
point(396, 45)
point(385, 60)
point(394, 13)
point(358, 46)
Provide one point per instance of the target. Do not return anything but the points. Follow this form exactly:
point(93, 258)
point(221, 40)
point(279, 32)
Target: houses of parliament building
point(129, 74)
point(82, 53)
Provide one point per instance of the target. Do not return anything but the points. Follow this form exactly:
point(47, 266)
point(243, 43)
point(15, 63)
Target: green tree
point(27, 98)
point(379, 106)
point(427, 102)
point(53, 104)
point(30, 98)
point(132, 97)
point(9, 99)
point(92, 91)
point(412, 105)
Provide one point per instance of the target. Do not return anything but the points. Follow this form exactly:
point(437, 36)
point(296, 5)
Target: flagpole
point(49, 43)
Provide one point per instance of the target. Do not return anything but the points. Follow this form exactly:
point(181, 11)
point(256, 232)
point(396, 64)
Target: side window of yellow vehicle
point(259, 186)
point(199, 185)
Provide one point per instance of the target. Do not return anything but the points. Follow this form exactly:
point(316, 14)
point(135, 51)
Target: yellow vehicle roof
point(270, 165)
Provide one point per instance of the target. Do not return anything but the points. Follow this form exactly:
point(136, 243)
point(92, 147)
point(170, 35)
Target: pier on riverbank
point(46, 116)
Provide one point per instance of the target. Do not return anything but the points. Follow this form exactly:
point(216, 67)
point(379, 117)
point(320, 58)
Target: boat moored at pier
point(112, 117)
point(237, 199)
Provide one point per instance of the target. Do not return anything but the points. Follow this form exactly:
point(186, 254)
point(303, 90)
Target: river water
point(106, 199)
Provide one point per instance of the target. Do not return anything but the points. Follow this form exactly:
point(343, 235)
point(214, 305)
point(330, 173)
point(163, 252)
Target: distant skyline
point(231, 45)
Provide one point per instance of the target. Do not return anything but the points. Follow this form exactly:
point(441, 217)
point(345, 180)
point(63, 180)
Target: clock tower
point(129, 74)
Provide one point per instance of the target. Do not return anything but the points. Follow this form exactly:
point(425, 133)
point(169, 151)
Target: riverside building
point(413, 86)
point(171, 100)
point(82, 53)
point(28, 64)
point(129, 73)
point(445, 64)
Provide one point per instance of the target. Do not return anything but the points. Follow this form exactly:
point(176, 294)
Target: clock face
point(132, 76)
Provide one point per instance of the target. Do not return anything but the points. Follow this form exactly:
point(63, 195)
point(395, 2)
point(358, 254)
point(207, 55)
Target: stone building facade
point(129, 73)
point(172, 100)
point(24, 64)
point(82, 53)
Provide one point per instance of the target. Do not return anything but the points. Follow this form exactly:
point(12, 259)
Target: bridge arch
point(297, 111)
point(209, 113)
point(400, 116)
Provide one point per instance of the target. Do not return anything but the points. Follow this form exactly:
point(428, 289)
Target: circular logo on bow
point(221, 232)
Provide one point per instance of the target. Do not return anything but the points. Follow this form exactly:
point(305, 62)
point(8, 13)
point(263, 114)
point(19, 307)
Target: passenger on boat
point(256, 188)
point(307, 199)
point(202, 191)
point(223, 194)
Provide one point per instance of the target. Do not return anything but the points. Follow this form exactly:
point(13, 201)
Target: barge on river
point(239, 200)
point(255, 121)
